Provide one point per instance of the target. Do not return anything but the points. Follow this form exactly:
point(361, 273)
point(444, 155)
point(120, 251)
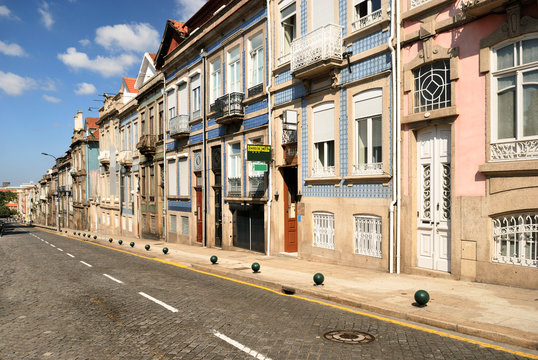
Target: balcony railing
point(316, 48)
point(323, 171)
point(480, 7)
point(369, 19)
point(146, 144)
point(255, 90)
point(256, 186)
point(104, 157)
point(125, 157)
point(514, 150)
point(415, 3)
point(368, 169)
point(289, 136)
point(228, 108)
point(234, 186)
point(179, 126)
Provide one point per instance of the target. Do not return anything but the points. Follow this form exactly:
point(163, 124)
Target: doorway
point(434, 198)
point(289, 175)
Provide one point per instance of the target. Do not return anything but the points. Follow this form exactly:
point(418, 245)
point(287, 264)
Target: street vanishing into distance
point(61, 298)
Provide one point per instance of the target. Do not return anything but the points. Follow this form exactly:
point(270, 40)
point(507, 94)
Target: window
point(515, 82)
point(323, 234)
point(234, 168)
point(256, 178)
point(183, 100)
point(195, 86)
point(323, 140)
point(322, 13)
point(215, 85)
point(234, 70)
point(151, 121)
point(173, 224)
point(432, 86)
point(184, 226)
point(142, 123)
point(368, 235)
point(255, 60)
point(171, 104)
point(287, 30)
point(366, 12)
point(161, 115)
point(172, 178)
point(368, 127)
point(515, 239)
point(151, 182)
point(183, 177)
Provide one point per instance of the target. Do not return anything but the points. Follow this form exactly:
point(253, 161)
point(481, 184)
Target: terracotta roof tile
point(180, 26)
point(130, 83)
point(152, 56)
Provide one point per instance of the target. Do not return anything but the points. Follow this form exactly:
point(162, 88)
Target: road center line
point(52, 245)
point(68, 254)
point(113, 279)
point(240, 346)
point(60, 249)
point(172, 309)
point(85, 263)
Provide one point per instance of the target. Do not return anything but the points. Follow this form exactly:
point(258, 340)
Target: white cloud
point(4, 11)
point(186, 8)
point(11, 49)
point(136, 37)
point(14, 85)
point(46, 16)
point(106, 66)
point(84, 42)
point(51, 99)
point(48, 85)
point(85, 89)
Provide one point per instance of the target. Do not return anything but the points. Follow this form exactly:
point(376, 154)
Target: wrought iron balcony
point(481, 7)
point(179, 126)
point(234, 186)
point(367, 20)
point(323, 171)
point(316, 52)
point(289, 136)
point(125, 158)
point(256, 186)
point(104, 157)
point(368, 169)
point(146, 144)
point(254, 90)
point(228, 108)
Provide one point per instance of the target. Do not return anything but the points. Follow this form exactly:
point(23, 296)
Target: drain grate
point(349, 337)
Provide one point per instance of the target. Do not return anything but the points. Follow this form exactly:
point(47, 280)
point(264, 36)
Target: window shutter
point(323, 122)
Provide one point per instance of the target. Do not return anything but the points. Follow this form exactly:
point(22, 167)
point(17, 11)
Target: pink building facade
point(469, 150)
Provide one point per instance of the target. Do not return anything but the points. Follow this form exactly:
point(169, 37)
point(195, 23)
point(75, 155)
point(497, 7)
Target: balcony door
point(322, 13)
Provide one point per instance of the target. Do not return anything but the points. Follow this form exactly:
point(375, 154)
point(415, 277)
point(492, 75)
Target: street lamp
point(57, 190)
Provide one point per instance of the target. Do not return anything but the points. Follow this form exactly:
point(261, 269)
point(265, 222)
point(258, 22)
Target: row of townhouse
point(392, 136)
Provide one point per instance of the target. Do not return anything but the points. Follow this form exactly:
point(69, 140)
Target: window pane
point(505, 57)
point(321, 154)
point(530, 110)
point(530, 51)
point(506, 127)
point(376, 140)
point(376, 5)
point(506, 82)
point(330, 153)
point(363, 141)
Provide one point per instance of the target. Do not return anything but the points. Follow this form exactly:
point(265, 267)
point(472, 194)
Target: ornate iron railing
point(234, 186)
point(125, 157)
point(323, 234)
point(364, 21)
point(515, 239)
point(179, 125)
point(146, 144)
point(289, 136)
point(321, 171)
point(368, 235)
point(254, 90)
point(368, 169)
point(256, 186)
point(318, 45)
point(229, 104)
point(514, 150)
point(415, 3)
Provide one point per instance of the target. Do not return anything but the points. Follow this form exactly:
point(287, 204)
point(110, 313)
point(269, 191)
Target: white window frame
point(515, 238)
point(323, 230)
point(368, 230)
point(255, 57)
point(283, 51)
point(420, 93)
point(184, 176)
point(234, 159)
point(172, 178)
point(369, 167)
point(323, 163)
point(171, 100)
point(233, 74)
point(215, 84)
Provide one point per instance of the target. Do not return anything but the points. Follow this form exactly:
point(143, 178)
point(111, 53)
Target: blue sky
point(56, 57)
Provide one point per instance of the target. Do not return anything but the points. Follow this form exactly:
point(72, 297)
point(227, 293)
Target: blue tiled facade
point(370, 41)
point(260, 105)
point(185, 206)
point(282, 77)
point(368, 67)
point(289, 94)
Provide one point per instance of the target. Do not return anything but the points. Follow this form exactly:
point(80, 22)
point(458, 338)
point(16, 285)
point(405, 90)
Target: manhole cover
point(349, 336)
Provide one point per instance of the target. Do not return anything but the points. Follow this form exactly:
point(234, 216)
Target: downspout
point(394, 105)
point(204, 152)
point(165, 162)
point(269, 128)
point(399, 142)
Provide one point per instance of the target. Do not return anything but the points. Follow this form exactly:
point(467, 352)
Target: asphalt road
point(61, 298)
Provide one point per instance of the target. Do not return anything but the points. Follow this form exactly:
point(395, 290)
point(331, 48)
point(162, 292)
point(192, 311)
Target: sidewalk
point(499, 313)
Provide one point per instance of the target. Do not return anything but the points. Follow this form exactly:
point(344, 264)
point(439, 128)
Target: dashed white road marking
point(240, 346)
point(172, 309)
point(59, 249)
point(68, 254)
point(85, 263)
point(52, 245)
point(113, 279)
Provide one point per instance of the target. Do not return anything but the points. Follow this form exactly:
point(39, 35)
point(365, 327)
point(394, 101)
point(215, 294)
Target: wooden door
point(290, 210)
point(199, 220)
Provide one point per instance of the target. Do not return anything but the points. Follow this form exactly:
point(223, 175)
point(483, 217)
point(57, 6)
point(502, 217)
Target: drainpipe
point(165, 162)
point(269, 128)
point(204, 152)
point(399, 142)
point(395, 173)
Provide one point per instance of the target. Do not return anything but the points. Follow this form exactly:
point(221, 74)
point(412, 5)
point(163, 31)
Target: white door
point(433, 174)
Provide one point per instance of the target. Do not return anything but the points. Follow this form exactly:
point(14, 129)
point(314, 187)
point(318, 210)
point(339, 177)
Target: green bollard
point(110, 240)
point(318, 279)
point(421, 297)
point(213, 259)
point(255, 267)
point(132, 244)
point(95, 237)
point(165, 250)
point(147, 247)
point(120, 242)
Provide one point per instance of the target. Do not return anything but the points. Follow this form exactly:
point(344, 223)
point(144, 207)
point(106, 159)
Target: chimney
point(79, 123)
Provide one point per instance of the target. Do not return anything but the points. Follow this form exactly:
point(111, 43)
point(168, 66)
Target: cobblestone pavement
point(56, 303)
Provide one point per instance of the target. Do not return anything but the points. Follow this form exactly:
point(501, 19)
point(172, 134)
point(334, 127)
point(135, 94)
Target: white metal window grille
point(184, 226)
point(515, 106)
point(323, 234)
point(432, 86)
point(367, 12)
point(287, 32)
point(323, 43)
point(152, 224)
point(173, 224)
point(130, 224)
point(515, 239)
point(368, 235)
